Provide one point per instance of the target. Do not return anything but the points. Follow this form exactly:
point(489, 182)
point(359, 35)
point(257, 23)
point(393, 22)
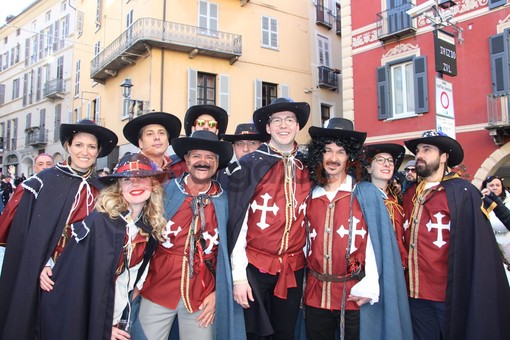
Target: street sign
point(444, 98)
point(446, 125)
point(445, 52)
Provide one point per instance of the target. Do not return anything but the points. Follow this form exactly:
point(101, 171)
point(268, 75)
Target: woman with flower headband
point(38, 231)
point(107, 257)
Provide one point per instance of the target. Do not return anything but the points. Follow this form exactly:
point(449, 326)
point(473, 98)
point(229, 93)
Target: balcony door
point(398, 20)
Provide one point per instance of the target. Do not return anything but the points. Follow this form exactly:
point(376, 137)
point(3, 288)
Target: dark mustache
point(202, 166)
point(333, 163)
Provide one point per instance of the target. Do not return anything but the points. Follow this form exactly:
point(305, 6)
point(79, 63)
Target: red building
point(394, 75)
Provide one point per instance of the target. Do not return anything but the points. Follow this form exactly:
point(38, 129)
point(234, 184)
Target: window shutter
point(265, 31)
point(213, 17)
point(97, 110)
point(258, 94)
point(89, 107)
point(192, 87)
point(496, 3)
point(27, 51)
point(56, 38)
point(421, 93)
point(500, 68)
point(383, 93)
point(42, 118)
point(284, 91)
point(225, 92)
point(2, 93)
point(274, 33)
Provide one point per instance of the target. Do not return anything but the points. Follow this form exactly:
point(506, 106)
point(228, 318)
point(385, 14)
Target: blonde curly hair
point(111, 202)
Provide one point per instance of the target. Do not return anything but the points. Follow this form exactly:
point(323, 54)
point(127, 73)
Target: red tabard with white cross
point(427, 238)
point(276, 231)
point(396, 212)
point(139, 243)
point(329, 235)
point(165, 284)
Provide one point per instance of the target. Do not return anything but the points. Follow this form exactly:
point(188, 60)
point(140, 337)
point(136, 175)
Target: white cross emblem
point(440, 227)
point(355, 232)
point(213, 240)
point(166, 234)
point(264, 208)
point(312, 235)
point(406, 225)
point(302, 208)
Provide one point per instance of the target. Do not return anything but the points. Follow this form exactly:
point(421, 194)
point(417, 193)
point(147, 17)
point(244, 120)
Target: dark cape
point(390, 317)
point(81, 304)
point(35, 230)
point(477, 291)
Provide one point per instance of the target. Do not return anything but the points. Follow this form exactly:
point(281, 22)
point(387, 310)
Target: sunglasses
point(410, 170)
point(202, 122)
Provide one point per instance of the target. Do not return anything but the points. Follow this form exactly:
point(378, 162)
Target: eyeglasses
point(277, 121)
point(202, 122)
point(410, 170)
point(381, 160)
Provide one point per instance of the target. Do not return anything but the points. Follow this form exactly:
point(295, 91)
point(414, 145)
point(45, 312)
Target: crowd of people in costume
point(252, 236)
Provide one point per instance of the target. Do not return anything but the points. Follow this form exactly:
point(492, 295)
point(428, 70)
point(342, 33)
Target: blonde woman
point(107, 257)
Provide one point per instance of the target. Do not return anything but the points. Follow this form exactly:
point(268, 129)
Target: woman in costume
point(40, 228)
point(382, 161)
point(107, 257)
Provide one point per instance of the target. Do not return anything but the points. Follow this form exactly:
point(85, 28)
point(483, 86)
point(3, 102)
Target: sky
point(13, 7)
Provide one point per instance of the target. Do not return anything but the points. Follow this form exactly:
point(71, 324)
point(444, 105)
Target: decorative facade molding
point(364, 38)
point(400, 49)
point(505, 20)
point(462, 7)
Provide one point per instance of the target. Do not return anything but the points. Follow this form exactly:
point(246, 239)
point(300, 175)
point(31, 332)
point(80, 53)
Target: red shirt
point(168, 279)
point(427, 238)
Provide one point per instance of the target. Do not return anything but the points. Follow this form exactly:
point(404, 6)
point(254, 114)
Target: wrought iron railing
point(37, 136)
point(328, 78)
point(395, 21)
point(54, 86)
point(149, 29)
point(498, 109)
point(323, 16)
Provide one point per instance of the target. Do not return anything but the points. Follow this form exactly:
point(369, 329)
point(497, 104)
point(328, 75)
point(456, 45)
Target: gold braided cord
point(289, 206)
point(185, 279)
point(393, 206)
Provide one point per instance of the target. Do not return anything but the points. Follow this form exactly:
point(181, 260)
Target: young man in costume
point(355, 282)
point(457, 287)
point(267, 200)
point(152, 133)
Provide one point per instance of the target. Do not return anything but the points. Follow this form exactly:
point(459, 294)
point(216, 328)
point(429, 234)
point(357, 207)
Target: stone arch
point(492, 164)
point(26, 166)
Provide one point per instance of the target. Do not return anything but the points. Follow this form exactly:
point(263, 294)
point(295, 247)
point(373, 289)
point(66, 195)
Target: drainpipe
point(162, 76)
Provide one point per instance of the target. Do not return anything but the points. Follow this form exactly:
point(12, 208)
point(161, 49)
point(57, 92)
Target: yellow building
point(235, 54)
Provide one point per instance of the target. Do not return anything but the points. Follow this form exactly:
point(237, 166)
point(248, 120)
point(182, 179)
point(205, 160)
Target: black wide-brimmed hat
point(134, 165)
point(204, 140)
point(246, 131)
point(106, 138)
point(441, 141)
point(196, 111)
point(171, 123)
point(338, 128)
point(300, 109)
point(396, 151)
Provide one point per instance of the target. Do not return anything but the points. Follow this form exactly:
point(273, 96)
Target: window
point(208, 18)
point(77, 80)
point(56, 37)
point(269, 93)
point(15, 88)
point(499, 48)
point(16, 53)
point(79, 22)
point(60, 67)
point(14, 133)
point(65, 30)
point(206, 88)
point(97, 48)
point(12, 56)
point(323, 50)
point(7, 139)
point(28, 125)
point(129, 29)
point(325, 113)
point(35, 44)
point(269, 32)
point(27, 51)
point(38, 89)
point(48, 48)
point(99, 13)
point(6, 61)
point(63, 6)
point(18, 32)
point(265, 92)
point(496, 3)
point(48, 16)
point(41, 45)
point(25, 89)
point(96, 103)
point(402, 88)
point(31, 88)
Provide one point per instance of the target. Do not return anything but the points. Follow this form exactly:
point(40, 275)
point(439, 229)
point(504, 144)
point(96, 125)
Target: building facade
point(402, 88)
point(35, 82)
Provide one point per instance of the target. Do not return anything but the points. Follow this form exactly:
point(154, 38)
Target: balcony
point(395, 23)
point(338, 24)
point(498, 112)
point(54, 89)
point(323, 17)
point(146, 33)
point(36, 137)
point(328, 78)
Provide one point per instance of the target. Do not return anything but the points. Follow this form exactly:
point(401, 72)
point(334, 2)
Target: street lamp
point(126, 94)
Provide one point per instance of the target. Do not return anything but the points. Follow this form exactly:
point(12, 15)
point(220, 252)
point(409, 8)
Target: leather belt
point(337, 278)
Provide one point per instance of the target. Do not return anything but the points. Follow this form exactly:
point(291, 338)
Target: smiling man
point(267, 200)
point(185, 262)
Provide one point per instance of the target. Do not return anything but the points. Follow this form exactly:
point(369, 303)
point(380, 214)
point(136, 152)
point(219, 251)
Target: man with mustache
point(267, 206)
point(184, 272)
point(456, 284)
point(353, 256)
